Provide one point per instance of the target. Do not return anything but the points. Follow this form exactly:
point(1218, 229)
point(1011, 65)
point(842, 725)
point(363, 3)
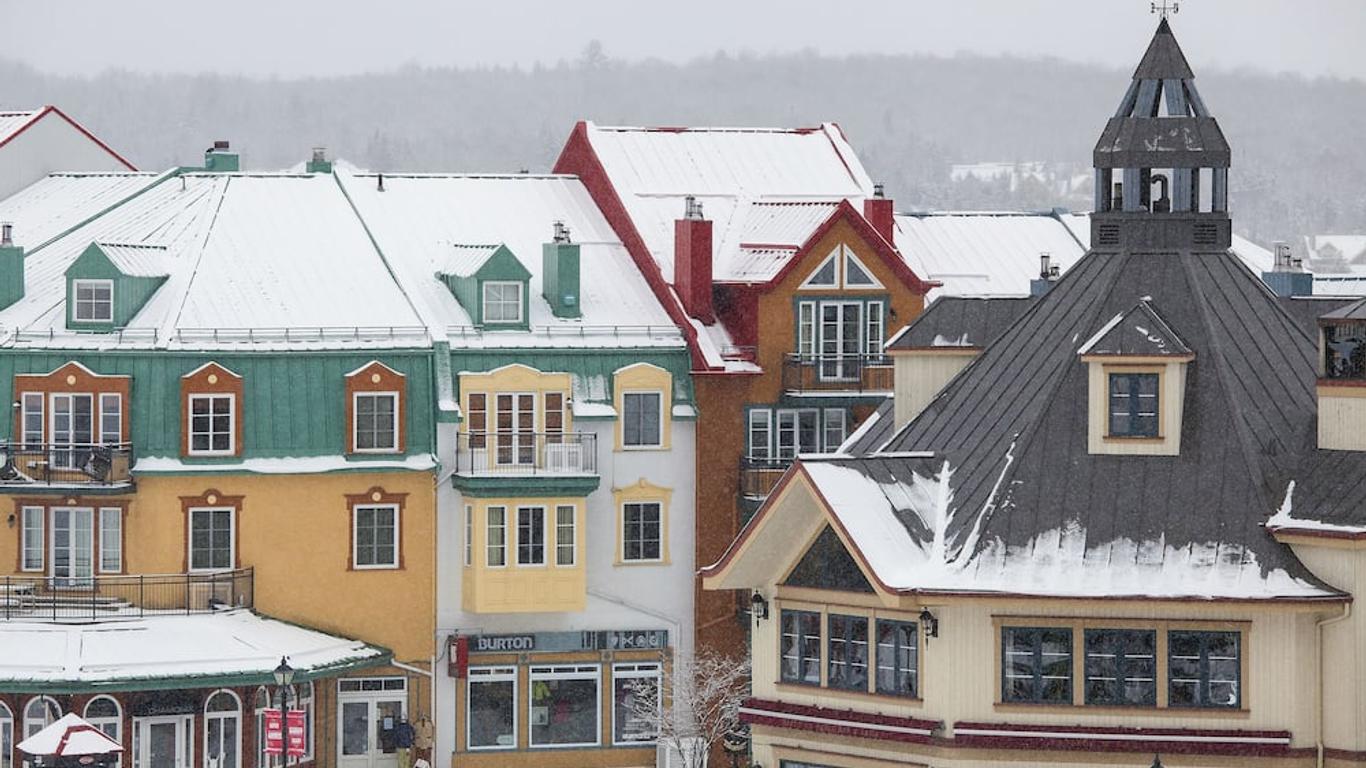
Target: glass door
point(516, 424)
point(366, 728)
point(73, 430)
point(841, 340)
point(73, 547)
point(163, 742)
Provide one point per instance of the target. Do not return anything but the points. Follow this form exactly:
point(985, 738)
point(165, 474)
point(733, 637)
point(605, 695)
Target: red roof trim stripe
point(837, 722)
point(1070, 738)
point(54, 110)
point(886, 251)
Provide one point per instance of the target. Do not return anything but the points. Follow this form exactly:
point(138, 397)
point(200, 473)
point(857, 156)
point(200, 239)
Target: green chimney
point(220, 157)
point(560, 273)
point(11, 267)
point(319, 162)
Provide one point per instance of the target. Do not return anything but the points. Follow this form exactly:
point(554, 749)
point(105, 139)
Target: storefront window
point(492, 718)
point(564, 706)
point(635, 703)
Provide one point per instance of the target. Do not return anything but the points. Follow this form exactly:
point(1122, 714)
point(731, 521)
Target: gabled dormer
point(490, 283)
point(1136, 385)
point(109, 282)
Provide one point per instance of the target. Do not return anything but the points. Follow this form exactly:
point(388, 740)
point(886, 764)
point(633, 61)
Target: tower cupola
point(1161, 165)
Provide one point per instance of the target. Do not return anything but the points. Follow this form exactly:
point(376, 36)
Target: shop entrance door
point(163, 742)
point(368, 712)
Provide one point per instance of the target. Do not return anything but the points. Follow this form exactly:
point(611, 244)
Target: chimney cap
point(561, 233)
point(692, 208)
point(221, 145)
point(6, 233)
point(879, 189)
point(319, 154)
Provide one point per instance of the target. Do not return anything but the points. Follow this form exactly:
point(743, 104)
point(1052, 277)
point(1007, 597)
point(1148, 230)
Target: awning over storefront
point(231, 648)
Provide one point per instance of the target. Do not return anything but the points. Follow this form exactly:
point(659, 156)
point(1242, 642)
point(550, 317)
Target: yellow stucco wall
point(513, 588)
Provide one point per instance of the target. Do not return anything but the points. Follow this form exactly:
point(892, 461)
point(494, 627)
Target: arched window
point(6, 736)
point(262, 703)
point(104, 713)
point(222, 730)
point(39, 713)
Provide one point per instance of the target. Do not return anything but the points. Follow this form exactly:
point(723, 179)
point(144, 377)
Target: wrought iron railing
point(74, 597)
point(837, 373)
point(65, 464)
point(526, 453)
point(759, 476)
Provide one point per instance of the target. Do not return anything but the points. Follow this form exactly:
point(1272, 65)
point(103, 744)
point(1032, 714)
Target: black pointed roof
point(1140, 332)
point(1163, 60)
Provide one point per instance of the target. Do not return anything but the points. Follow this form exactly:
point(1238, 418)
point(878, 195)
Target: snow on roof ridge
point(458, 175)
point(1091, 342)
point(707, 128)
point(1003, 214)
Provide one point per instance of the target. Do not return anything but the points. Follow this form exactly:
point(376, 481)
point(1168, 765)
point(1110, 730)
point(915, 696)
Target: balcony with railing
point(85, 598)
point(508, 459)
point(848, 374)
point(34, 466)
point(758, 477)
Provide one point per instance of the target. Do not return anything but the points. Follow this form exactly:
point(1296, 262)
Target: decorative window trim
point(849, 258)
point(809, 282)
point(99, 722)
point(484, 285)
point(391, 564)
point(642, 378)
point(642, 491)
point(42, 507)
point(211, 379)
point(376, 378)
point(90, 282)
point(1162, 627)
point(1171, 386)
point(376, 497)
point(70, 378)
point(212, 499)
point(222, 714)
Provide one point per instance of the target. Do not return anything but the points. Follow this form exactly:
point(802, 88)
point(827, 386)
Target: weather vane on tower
point(1166, 6)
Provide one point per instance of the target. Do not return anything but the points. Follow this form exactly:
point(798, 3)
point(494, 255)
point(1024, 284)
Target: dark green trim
point(232, 469)
point(534, 486)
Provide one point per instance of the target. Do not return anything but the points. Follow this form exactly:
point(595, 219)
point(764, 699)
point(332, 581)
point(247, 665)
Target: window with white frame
point(104, 713)
point(111, 540)
point(782, 433)
point(565, 538)
point(39, 713)
point(94, 301)
point(491, 704)
point(376, 422)
point(636, 703)
point(642, 531)
point(531, 535)
point(33, 420)
point(495, 538)
point(212, 424)
point(34, 543)
point(6, 736)
point(502, 302)
point(760, 434)
point(111, 418)
point(642, 419)
point(222, 730)
point(262, 702)
point(212, 545)
point(469, 535)
point(375, 536)
point(566, 702)
point(833, 422)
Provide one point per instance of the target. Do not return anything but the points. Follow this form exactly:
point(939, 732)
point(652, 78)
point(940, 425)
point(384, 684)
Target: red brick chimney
point(878, 210)
point(692, 261)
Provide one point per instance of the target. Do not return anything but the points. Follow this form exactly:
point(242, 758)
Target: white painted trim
point(355, 420)
point(76, 286)
point(496, 674)
point(189, 539)
point(232, 424)
point(355, 539)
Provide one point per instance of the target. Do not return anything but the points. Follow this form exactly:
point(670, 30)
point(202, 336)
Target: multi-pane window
point(875, 330)
point(760, 433)
point(1133, 404)
point(376, 536)
point(94, 301)
point(496, 541)
point(502, 302)
point(34, 549)
point(211, 424)
point(376, 427)
point(1204, 669)
point(104, 713)
point(1036, 664)
point(531, 535)
point(898, 654)
point(211, 539)
point(565, 706)
point(564, 535)
point(798, 430)
point(642, 531)
point(554, 403)
point(33, 420)
point(847, 652)
point(800, 651)
point(469, 535)
point(641, 420)
point(111, 540)
point(477, 419)
point(833, 422)
point(111, 418)
point(1121, 667)
point(491, 722)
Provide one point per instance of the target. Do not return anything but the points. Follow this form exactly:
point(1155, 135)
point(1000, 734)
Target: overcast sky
point(297, 38)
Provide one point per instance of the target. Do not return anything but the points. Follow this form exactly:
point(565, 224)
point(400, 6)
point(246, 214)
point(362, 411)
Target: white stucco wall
point(51, 144)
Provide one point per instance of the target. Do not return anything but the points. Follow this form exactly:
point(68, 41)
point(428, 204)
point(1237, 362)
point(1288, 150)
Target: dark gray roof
point(1249, 415)
point(1353, 312)
point(875, 431)
point(1163, 60)
point(1138, 332)
point(1160, 142)
point(954, 321)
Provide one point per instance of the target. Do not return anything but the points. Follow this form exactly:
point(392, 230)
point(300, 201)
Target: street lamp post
point(284, 679)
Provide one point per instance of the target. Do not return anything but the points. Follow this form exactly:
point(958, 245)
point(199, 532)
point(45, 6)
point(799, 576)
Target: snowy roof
point(969, 322)
point(235, 647)
point(1351, 248)
point(464, 260)
point(1140, 332)
point(14, 121)
point(136, 259)
point(729, 170)
point(60, 201)
point(416, 217)
point(985, 253)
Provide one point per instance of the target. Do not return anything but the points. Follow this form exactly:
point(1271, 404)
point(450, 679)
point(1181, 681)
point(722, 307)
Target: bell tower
point(1161, 165)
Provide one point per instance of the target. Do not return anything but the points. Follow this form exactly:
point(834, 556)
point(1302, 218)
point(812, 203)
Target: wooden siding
point(920, 375)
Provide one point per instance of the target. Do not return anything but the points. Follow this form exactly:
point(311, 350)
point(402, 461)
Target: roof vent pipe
point(561, 232)
point(692, 209)
point(879, 189)
point(6, 235)
point(380, 178)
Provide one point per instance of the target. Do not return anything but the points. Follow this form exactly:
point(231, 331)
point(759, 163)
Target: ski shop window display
point(491, 720)
point(565, 704)
point(636, 704)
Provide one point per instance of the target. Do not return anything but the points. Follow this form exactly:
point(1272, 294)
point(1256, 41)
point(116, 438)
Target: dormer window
point(1134, 404)
point(93, 301)
point(502, 302)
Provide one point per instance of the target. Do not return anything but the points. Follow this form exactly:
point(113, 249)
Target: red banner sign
point(275, 737)
point(294, 732)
